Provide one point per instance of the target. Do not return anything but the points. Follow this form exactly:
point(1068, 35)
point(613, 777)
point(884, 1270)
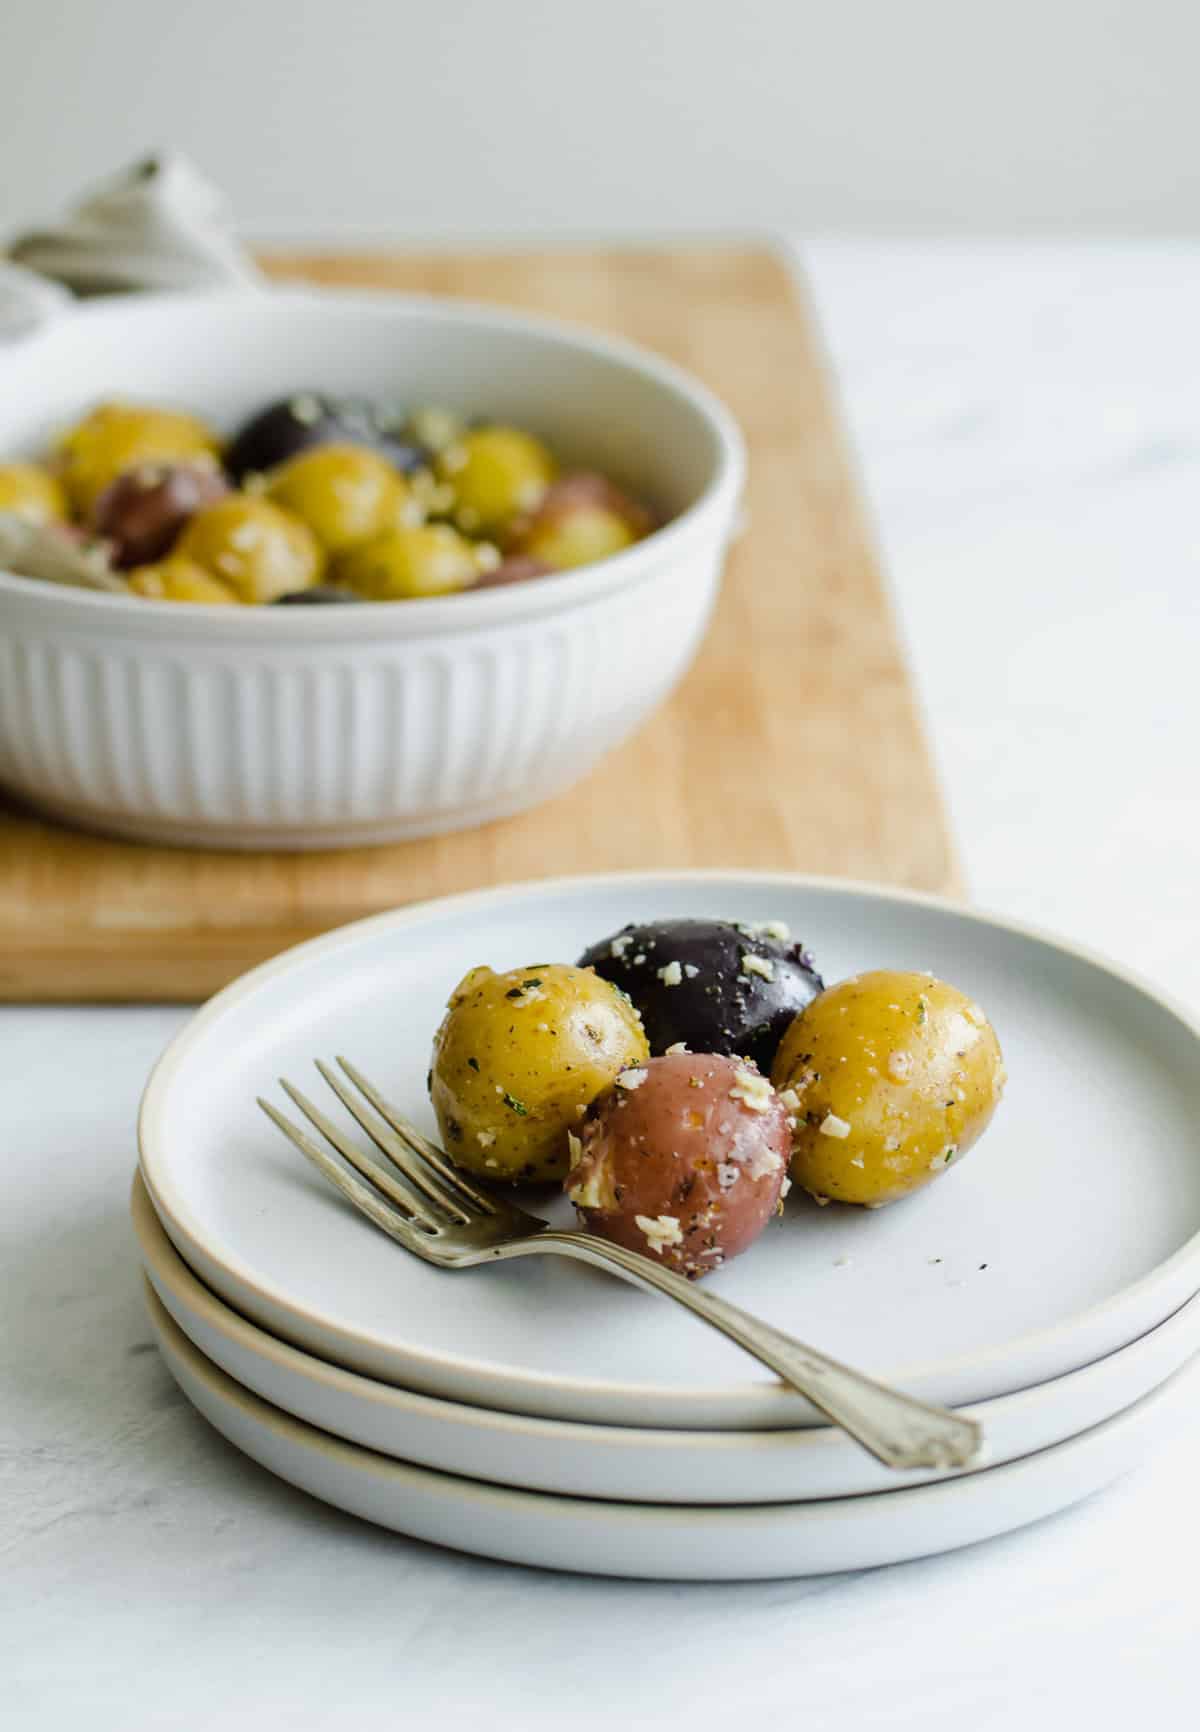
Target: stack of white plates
point(544, 1412)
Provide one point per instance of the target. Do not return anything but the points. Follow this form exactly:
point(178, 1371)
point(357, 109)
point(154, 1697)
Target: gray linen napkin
point(156, 225)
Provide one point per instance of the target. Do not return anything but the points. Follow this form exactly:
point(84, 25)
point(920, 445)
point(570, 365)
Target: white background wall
point(343, 118)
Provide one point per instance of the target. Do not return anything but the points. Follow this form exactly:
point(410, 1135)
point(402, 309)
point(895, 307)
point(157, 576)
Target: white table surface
point(1029, 429)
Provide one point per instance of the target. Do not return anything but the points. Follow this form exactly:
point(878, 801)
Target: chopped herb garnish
point(514, 992)
point(529, 985)
point(922, 1010)
point(516, 1105)
point(473, 1063)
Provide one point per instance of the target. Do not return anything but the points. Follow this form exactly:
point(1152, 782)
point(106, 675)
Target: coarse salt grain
point(631, 1079)
point(691, 970)
point(832, 1126)
point(679, 1046)
point(753, 1090)
point(485, 1138)
point(760, 965)
point(762, 1162)
point(659, 1230)
point(595, 1190)
point(671, 974)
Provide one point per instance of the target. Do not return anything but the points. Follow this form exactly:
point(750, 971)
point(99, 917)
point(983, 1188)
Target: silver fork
point(433, 1210)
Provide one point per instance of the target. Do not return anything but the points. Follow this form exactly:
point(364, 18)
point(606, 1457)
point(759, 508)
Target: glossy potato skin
point(120, 436)
point(144, 510)
point(178, 579)
point(518, 1059)
point(259, 550)
point(581, 518)
point(910, 1064)
point(408, 564)
point(31, 492)
point(719, 1003)
point(687, 1166)
point(345, 493)
point(278, 431)
point(495, 472)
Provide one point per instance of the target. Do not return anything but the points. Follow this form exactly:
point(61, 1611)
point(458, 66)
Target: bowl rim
point(468, 608)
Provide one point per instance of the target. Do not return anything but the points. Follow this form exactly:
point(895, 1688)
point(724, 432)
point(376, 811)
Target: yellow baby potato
point(894, 1076)
point(256, 548)
point(495, 472)
point(407, 564)
point(345, 493)
point(32, 493)
point(518, 1059)
point(180, 579)
point(120, 436)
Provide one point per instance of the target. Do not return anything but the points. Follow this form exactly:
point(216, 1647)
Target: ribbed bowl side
point(319, 737)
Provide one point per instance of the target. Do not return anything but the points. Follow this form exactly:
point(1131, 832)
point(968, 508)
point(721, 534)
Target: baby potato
point(495, 473)
point(895, 1076)
point(580, 519)
point(257, 548)
point(407, 564)
point(345, 493)
point(178, 579)
point(119, 436)
point(519, 1058)
point(31, 492)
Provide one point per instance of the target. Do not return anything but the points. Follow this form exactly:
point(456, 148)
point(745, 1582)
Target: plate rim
point(538, 1511)
point(161, 1261)
point(175, 1215)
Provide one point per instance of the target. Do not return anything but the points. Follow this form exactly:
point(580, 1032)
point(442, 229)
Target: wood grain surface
point(793, 744)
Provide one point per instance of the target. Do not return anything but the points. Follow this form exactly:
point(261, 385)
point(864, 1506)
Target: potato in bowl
point(309, 727)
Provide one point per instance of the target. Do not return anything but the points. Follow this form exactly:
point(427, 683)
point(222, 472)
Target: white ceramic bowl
point(328, 727)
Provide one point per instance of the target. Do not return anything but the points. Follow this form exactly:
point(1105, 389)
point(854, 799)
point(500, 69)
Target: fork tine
point(421, 1148)
point(391, 1146)
point(410, 1201)
point(389, 1220)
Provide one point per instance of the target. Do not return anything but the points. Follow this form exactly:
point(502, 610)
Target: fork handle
point(897, 1429)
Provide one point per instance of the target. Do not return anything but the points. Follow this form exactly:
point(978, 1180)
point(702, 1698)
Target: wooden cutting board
point(799, 705)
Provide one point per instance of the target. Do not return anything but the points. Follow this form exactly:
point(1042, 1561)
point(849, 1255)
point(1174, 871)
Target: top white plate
point(1070, 1230)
